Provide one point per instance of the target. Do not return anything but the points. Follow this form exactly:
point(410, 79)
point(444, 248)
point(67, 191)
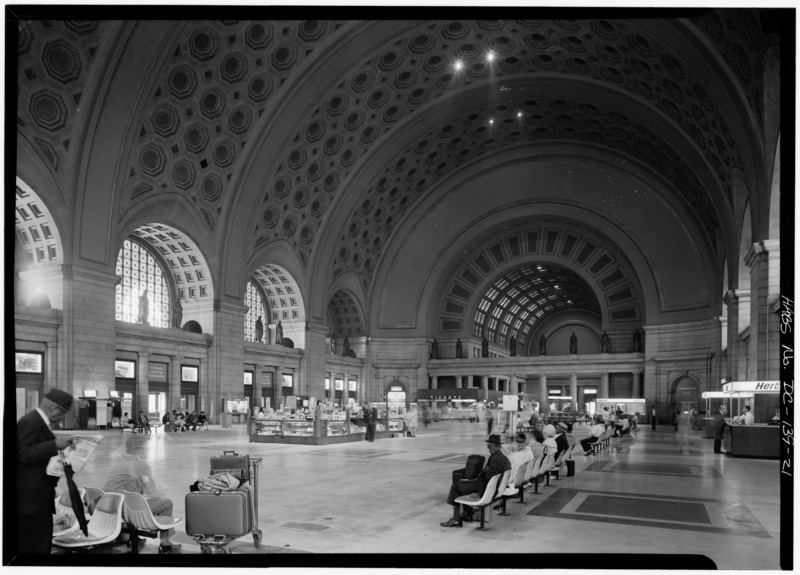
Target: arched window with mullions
point(141, 271)
point(254, 300)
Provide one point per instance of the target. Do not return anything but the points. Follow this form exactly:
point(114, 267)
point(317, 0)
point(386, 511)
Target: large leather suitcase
point(471, 470)
point(235, 464)
point(228, 513)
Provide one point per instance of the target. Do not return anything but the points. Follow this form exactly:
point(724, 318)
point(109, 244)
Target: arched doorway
point(396, 393)
point(686, 395)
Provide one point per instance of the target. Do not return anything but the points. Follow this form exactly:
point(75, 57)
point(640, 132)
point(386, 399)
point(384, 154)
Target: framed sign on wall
point(28, 362)
point(190, 373)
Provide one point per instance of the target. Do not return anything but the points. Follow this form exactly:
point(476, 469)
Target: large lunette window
point(254, 301)
point(142, 277)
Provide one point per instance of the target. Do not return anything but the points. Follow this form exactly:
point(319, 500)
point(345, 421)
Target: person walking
point(489, 421)
point(718, 429)
point(426, 416)
point(36, 490)
point(365, 416)
point(653, 417)
point(676, 414)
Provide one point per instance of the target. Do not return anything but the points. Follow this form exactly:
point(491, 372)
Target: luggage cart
point(210, 544)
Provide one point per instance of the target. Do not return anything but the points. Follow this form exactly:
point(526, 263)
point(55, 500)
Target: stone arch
point(277, 271)
point(186, 267)
point(345, 312)
point(38, 249)
point(579, 252)
point(685, 388)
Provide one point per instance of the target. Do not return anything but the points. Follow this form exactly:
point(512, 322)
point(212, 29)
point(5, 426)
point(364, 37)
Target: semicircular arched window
point(140, 271)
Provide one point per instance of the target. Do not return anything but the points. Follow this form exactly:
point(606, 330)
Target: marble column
point(573, 391)
point(142, 385)
point(174, 394)
point(485, 387)
point(279, 387)
point(764, 263)
point(434, 382)
point(638, 387)
point(51, 369)
point(603, 386)
point(542, 393)
point(257, 388)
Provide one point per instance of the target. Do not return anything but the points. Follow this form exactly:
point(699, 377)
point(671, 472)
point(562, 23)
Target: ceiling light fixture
point(458, 65)
point(490, 56)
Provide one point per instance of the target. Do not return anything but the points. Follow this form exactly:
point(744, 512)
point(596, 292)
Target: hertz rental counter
point(757, 440)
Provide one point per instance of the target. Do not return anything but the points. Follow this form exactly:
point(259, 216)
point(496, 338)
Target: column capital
point(143, 354)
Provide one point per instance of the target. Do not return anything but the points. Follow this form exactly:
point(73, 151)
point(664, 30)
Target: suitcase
point(471, 470)
point(230, 461)
point(228, 513)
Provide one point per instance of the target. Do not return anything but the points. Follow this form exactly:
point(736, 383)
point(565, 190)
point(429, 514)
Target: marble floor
point(655, 499)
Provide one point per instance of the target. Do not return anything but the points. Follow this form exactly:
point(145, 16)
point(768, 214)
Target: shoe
point(466, 517)
point(450, 523)
point(587, 452)
point(172, 548)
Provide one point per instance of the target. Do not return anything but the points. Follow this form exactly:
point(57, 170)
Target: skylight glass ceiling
point(525, 295)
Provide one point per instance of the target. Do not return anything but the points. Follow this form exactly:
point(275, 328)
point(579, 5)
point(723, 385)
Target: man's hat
point(60, 398)
point(494, 438)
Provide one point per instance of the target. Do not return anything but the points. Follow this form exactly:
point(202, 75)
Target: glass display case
point(336, 428)
point(302, 428)
point(267, 427)
point(395, 423)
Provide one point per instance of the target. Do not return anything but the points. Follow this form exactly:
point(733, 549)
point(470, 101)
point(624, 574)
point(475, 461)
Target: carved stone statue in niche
point(177, 313)
point(513, 346)
point(637, 341)
point(459, 349)
point(573, 344)
point(346, 347)
point(333, 344)
point(144, 308)
point(484, 348)
point(259, 329)
point(604, 343)
point(279, 334)
point(434, 350)
point(543, 345)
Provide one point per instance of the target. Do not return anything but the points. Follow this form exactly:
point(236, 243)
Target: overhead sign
point(752, 387)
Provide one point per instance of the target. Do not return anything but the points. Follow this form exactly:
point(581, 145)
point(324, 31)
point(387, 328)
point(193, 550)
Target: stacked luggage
point(216, 517)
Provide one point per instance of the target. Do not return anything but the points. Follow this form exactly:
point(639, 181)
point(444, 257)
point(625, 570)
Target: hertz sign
point(752, 387)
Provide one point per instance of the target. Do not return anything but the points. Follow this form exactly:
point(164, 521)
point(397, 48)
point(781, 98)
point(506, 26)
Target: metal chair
point(104, 526)
point(139, 520)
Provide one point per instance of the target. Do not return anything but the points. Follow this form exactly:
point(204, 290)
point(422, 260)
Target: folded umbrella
point(75, 499)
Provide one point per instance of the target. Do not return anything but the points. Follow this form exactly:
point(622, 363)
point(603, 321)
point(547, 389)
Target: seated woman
point(127, 423)
point(596, 432)
point(179, 423)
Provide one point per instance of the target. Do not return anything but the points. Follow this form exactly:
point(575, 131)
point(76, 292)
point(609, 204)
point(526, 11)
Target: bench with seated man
point(497, 464)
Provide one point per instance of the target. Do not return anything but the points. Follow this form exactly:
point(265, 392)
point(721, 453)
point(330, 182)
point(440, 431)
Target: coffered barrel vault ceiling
point(327, 134)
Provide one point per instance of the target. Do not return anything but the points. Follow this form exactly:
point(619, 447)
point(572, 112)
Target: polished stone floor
point(653, 492)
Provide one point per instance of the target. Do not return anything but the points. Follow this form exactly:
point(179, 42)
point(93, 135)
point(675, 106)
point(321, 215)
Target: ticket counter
point(757, 440)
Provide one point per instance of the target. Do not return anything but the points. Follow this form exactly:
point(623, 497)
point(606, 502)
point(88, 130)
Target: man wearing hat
point(497, 464)
point(36, 444)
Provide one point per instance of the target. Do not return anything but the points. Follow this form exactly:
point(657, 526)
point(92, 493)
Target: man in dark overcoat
point(36, 444)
